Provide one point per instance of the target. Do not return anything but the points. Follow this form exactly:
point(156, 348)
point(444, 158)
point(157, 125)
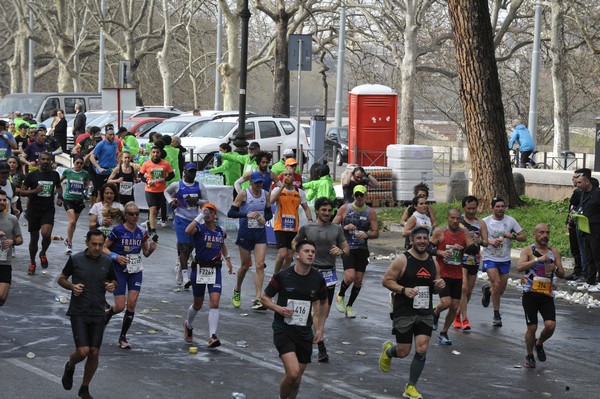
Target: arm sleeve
point(234, 212)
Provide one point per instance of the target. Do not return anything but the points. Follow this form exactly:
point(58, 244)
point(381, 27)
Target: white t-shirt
point(496, 229)
point(98, 207)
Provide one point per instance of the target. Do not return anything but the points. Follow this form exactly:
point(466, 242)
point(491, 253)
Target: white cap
point(288, 153)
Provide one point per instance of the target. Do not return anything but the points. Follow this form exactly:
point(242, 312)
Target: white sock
point(213, 321)
point(191, 316)
point(184, 273)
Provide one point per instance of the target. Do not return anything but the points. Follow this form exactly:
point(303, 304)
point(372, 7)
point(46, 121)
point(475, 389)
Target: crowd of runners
point(440, 261)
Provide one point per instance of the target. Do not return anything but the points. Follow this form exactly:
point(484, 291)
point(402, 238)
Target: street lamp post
point(240, 140)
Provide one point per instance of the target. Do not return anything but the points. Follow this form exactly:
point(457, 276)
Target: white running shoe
point(584, 287)
point(68, 248)
point(178, 275)
point(594, 288)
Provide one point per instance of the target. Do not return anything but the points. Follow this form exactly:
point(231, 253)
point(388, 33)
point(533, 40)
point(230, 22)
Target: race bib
point(4, 254)
point(502, 250)
point(46, 188)
point(206, 275)
point(421, 300)
point(105, 230)
point(288, 222)
point(455, 256)
point(157, 173)
point(134, 263)
point(76, 187)
point(301, 312)
point(126, 188)
point(329, 275)
point(191, 201)
point(542, 285)
point(3, 154)
point(253, 223)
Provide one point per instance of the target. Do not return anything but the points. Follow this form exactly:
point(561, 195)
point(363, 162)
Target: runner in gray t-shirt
point(10, 235)
point(331, 243)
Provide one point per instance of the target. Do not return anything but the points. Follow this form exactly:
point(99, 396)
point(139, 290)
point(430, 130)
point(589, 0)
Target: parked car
point(273, 133)
point(337, 138)
point(40, 105)
point(177, 126)
point(156, 112)
point(140, 125)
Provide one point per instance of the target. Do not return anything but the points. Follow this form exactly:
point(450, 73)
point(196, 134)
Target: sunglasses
point(78, 163)
point(132, 214)
point(359, 195)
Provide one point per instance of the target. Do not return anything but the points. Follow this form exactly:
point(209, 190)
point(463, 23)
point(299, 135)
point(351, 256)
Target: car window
point(70, 104)
point(344, 135)
point(144, 127)
point(268, 130)
point(170, 127)
point(288, 127)
point(216, 130)
point(250, 131)
point(94, 103)
point(52, 104)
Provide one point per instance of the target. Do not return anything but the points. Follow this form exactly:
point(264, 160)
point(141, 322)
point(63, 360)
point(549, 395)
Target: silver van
point(40, 105)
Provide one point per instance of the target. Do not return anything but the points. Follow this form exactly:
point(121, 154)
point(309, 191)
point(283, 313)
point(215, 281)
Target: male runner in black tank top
point(413, 276)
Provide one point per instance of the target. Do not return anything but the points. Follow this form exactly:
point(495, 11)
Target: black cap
point(254, 145)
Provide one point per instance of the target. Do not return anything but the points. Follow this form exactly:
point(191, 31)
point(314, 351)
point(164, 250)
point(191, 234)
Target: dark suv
point(338, 138)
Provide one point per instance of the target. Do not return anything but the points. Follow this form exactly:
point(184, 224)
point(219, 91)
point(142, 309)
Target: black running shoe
point(84, 393)
point(486, 295)
point(323, 356)
point(67, 378)
point(541, 353)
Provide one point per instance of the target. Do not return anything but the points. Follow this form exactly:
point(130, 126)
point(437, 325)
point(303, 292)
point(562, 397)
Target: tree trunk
point(230, 70)
point(481, 100)
point(559, 79)
point(281, 74)
point(406, 129)
point(163, 57)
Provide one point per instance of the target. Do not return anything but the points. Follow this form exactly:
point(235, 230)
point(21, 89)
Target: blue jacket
point(521, 135)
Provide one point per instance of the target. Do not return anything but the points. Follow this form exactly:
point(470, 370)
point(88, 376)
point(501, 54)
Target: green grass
point(532, 213)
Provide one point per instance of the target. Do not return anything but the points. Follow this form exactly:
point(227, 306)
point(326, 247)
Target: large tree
point(481, 100)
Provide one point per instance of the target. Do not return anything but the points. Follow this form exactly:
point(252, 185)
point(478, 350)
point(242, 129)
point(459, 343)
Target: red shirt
point(452, 266)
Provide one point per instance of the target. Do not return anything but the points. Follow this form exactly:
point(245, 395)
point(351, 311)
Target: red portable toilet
point(372, 111)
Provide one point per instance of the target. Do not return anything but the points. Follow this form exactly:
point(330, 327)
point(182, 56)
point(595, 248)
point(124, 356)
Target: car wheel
point(338, 159)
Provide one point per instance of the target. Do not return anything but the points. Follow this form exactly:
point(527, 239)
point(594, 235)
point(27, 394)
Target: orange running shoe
point(466, 325)
point(457, 322)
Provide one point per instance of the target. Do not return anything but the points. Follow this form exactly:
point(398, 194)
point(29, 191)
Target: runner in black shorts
point(77, 183)
point(10, 236)
point(86, 307)
point(40, 186)
point(359, 222)
point(331, 243)
point(451, 243)
point(297, 288)
point(540, 263)
point(414, 277)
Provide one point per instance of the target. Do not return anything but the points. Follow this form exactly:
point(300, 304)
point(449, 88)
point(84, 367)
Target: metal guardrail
point(442, 163)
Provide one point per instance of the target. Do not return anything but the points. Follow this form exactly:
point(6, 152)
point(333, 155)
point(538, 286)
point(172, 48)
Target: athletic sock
point(496, 313)
point(416, 368)
point(321, 345)
point(191, 315)
point(109, 315)
point(184, 273)
point(391, 352)
point(213, 321)
point(343, 288)
point(353, 294)
point(127, 320)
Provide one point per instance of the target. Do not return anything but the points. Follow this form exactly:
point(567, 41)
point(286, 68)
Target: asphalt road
point(484, 363)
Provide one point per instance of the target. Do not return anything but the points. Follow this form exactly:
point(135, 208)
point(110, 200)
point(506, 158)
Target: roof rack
point(269, 115)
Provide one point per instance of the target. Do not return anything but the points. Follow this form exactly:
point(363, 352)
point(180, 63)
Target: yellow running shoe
point(340, 304)
point(236, 300)
point(385, 362)
point(411, 392)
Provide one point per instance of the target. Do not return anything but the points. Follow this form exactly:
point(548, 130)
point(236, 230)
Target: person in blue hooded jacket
point(521, 135)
